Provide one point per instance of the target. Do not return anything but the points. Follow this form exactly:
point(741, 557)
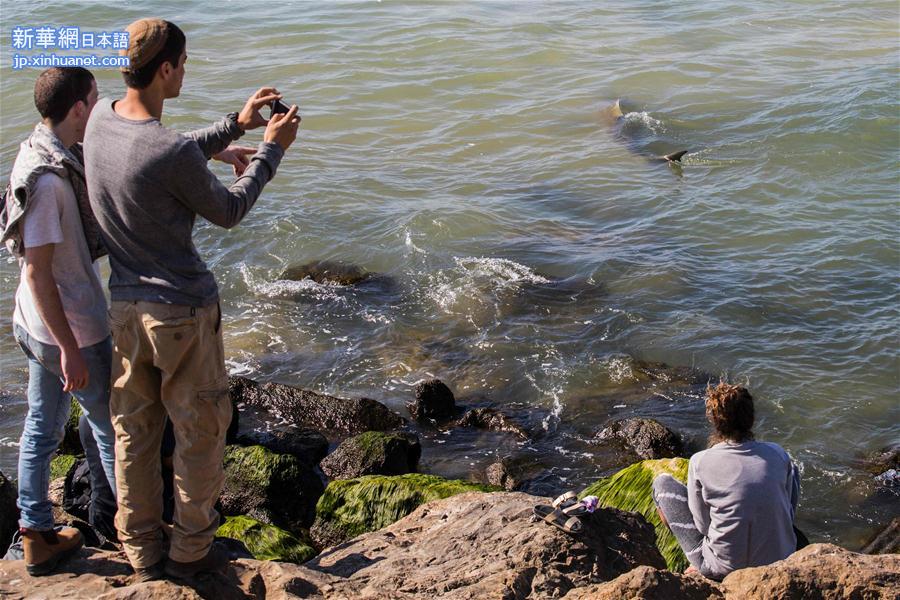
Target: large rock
point(819, 572)
point(648, 583)
point(259, 428)
point(273, 488)
point(351, 507)
point(373, 453)
point(304, 408)
point(98, 575)
point(433, 401)
point(512, 473)
point(477, 545)
point(267, 542)
point(492, 420)
point(648, 438)
point(9, 512)
point(631, 489)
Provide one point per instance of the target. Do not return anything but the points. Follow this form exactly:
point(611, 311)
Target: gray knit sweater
point(147, 184)
point(743, 498)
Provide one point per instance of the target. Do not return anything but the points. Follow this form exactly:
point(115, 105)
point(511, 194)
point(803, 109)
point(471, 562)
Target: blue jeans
point(48, 410)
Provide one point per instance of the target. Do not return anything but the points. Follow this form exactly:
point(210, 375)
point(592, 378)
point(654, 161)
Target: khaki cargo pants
point(168, 360)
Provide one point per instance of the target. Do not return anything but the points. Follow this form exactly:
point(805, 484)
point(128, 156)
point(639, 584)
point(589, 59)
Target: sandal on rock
point(566, 499)
point(577, 509)
point(558, 518)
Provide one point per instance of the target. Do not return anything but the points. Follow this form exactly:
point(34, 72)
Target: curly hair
point(729, 409)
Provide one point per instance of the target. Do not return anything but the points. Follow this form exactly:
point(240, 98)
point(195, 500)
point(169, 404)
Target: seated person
point(738, 507)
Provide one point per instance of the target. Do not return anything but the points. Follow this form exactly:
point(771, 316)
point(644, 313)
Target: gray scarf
point(41, 153)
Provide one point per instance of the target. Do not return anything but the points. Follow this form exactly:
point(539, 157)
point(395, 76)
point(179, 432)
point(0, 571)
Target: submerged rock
point(352, 507)
point(883, 460)
point(9, 512)
point(664, 373)
point(277, 489)
point(648, 438)
point(477, 545)
point(886, 541)
point(304, 408)
point(267, 542)
point(492, 420)
point(647, 582)
point(322, 271)
point(374, 453)
point(631, 489)
point(434, 400)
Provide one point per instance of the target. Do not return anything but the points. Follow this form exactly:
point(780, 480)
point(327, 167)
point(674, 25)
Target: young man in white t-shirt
point(60, 318)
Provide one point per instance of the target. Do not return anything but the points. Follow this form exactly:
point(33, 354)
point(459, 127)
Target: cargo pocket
point(214, 409)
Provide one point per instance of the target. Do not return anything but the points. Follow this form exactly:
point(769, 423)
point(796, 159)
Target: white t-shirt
point(53, 218)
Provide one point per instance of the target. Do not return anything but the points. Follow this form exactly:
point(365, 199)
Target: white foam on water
point(644, 119)
point(500, 270)
point(619, 369)
point(285, 289)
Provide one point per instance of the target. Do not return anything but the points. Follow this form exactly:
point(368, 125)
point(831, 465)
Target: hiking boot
point(216, 560)
point(154, 572)
point(45, 549)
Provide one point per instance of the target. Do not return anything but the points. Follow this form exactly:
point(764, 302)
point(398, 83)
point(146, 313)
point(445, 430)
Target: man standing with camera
point(147, 185)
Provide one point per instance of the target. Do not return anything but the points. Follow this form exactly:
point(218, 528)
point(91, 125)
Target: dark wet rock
point(887, 541)
point(277, 489)
point(303, 408)
point(661, 372)
point(512, 473)
point(477, 545)
point(492, 420)
point(374, 453)
point(9, 512)
point(649, 583)
point(259, 428)
point(322, 271)
point(267, 542)
point(648, 438)
point(351, 507)
point(434, 400)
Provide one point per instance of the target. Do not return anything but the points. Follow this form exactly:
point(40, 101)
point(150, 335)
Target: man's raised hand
point(282, 128)
point(249, 117)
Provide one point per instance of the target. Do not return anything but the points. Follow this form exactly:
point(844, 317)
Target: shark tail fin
point(675, 156)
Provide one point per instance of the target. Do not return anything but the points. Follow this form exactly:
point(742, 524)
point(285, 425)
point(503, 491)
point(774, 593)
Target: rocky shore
point(381, 529)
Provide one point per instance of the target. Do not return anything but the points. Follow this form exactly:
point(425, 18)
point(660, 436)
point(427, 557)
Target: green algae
point(357, 506)
point(631, 489)
point(267, 542)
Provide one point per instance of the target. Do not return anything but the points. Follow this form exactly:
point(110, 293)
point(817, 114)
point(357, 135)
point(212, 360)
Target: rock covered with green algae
point(267, 542)
point(631, 489)
point(373, 453)
point(277, 489)
point(60, 465)
point(352, 507)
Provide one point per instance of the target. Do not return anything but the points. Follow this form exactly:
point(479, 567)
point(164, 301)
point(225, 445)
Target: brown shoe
point(45, 549)
point(216, 560)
